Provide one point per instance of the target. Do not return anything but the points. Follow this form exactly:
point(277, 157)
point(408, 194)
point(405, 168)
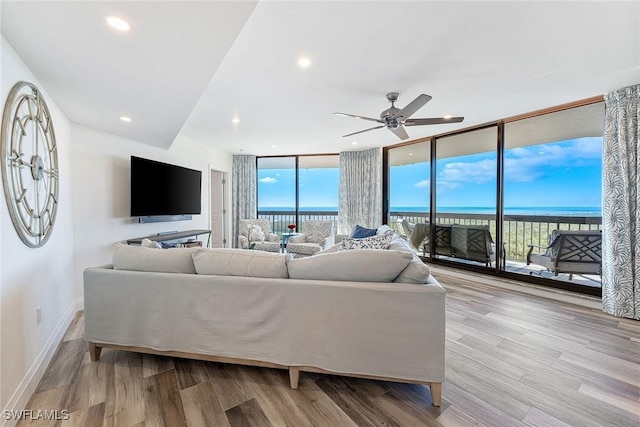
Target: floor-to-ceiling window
point(552, 181)
point(277, 191)
point(506, 190)
point(409, 185)
point(466, 182)
point(293, 189)
point(318, 184)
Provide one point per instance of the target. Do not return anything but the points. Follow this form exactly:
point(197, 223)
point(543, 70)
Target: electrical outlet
point(38, 315)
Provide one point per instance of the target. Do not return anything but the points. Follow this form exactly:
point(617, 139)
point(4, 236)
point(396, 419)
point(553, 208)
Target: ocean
point(547, 210)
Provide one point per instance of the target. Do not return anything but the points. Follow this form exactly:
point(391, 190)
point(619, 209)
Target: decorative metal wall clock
point(29, 164)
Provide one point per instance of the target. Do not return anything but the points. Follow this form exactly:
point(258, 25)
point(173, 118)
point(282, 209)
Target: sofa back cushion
point(136, 258)
point(241, 262)
point(354, 266)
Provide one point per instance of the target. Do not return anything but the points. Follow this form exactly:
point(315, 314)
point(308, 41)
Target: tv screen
point(163, 189)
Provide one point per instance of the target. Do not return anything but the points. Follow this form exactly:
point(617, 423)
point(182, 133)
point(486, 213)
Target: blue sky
point(561, 174)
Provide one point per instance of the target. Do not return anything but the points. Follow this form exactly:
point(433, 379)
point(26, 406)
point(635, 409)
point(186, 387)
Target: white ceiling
point(193, 66)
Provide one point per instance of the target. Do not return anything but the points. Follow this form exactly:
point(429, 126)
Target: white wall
point(34, 277)
point(93, 215)
point(101, 177)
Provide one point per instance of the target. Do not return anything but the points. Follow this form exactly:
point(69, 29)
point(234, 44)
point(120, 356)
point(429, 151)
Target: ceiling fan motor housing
point(388, 114)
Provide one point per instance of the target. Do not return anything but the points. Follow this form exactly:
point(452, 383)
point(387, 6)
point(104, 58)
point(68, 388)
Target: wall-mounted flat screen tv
point(164, 189)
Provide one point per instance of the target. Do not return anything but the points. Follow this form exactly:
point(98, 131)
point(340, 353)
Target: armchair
point(256, 234)
point(318, 236)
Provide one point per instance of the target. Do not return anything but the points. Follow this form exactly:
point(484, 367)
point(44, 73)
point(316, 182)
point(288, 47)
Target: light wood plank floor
point(512, 360)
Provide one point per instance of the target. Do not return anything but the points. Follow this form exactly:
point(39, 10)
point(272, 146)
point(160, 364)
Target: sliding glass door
point(498, 197)
point(552, 183)
point(466, 183)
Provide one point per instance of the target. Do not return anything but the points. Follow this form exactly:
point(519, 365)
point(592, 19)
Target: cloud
point(425, 183)
point(268, 180)
point(524, 164)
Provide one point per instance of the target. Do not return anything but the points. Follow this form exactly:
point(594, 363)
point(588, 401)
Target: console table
point(164, 237)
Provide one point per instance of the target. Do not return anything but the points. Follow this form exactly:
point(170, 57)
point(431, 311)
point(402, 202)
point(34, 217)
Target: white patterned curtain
point(360, 199)
point(620, 225)
point(244, 192)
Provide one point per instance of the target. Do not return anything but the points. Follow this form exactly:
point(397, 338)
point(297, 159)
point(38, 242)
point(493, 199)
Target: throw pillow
point(240, 262)
point(374, 242)
point(384, 229)
point(352, 266)
point(256, 234)
point(359, 232)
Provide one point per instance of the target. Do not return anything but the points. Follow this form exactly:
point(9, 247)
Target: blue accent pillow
point(361, 232)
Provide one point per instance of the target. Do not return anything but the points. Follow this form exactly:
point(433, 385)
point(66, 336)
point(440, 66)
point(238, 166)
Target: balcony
point(519, 232)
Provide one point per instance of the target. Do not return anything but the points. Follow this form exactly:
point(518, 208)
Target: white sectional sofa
point(338, 313)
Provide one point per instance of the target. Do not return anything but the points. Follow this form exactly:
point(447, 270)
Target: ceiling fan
point(395, 119)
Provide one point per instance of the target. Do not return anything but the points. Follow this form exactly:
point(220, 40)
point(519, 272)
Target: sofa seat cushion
point(356, 266)
point(304, 248)
point(240, 262)
point(136, 258)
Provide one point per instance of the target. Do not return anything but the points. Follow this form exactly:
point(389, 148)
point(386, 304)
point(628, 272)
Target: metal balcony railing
point(519, 231)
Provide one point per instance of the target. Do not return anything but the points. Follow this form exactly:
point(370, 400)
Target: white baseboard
point(28, 385)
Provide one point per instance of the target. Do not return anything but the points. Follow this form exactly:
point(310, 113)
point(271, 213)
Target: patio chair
point(256, 234)
point(571, 252)
point(318, 235)
point(417, 234)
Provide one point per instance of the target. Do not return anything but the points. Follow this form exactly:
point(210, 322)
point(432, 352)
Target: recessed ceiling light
point(274, 146)
point(411, 154)
point(304, 62)
point(125, 119)
point(355, 142)
point(448, 116)
point(118, 23)
point(235, 120)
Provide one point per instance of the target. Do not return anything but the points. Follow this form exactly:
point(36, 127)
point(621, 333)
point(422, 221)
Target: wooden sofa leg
point(94, 352)
point(294, 376)
point(436, 393)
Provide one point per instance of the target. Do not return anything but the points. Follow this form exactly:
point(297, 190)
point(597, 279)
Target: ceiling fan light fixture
point(118, 23)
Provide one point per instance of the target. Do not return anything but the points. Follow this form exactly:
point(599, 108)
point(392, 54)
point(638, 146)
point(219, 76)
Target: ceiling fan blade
point(400, 132)
point(359, 117)
point(412, 107)
point(432, 121)
point(366, 130)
